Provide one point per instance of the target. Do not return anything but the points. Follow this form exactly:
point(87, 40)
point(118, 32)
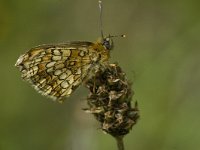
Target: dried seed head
point(109, 100)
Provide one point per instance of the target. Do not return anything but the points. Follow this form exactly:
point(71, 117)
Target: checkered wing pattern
point(57, 70)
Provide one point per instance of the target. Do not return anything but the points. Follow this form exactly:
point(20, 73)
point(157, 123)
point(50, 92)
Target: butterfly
point(57, 70)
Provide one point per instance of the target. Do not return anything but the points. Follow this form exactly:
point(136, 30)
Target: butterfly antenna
point(100, 18)
point(122, 35)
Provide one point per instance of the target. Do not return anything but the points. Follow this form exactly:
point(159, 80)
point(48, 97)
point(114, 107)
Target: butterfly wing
point(56, 70)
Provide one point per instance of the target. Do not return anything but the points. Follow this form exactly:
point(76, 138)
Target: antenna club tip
point(100, 1)
point(123, 35)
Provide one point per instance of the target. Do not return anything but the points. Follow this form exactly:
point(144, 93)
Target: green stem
point(120, 143)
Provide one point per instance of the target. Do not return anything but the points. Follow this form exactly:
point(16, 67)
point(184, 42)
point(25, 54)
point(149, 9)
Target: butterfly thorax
point(99, 54)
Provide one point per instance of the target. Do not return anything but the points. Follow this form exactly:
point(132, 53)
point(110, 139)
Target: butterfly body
point(57, 70)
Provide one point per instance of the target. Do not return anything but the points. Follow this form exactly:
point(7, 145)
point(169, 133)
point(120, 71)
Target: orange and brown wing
point(56, 70)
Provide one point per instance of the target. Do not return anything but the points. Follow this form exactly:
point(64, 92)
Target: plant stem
point(120, 142)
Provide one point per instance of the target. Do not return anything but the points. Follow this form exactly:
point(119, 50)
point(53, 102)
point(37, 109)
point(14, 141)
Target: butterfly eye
point(108, 43)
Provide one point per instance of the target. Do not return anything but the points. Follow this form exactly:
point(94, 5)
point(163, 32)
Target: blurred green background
point(161, 55)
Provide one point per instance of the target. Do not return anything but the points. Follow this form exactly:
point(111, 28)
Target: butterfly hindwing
point(56, 70)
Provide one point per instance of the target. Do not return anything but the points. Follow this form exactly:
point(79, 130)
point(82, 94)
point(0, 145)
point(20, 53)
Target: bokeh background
point(161, 55)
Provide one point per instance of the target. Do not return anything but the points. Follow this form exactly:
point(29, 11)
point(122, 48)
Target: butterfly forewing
point(56, 70)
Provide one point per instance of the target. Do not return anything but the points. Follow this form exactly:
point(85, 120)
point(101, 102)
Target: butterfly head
point(108, 42)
